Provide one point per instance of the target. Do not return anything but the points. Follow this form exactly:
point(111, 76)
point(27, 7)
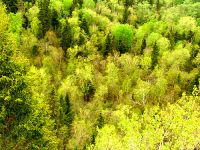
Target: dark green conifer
point(66, 112)
point(84, 25)
point(158, 5)
point(125, 16)
point(151, 2)
point(108, 45)
point(44, 16)
point(15, 97)
point(87, 90)
point(54, 20)
point(66, 37)
point(154, 56)
point(143, 46)
point(11, 5)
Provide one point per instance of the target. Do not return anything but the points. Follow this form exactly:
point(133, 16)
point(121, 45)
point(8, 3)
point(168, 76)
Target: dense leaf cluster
point(99, 74)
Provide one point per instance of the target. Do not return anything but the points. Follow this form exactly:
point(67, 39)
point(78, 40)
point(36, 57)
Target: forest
point(99, 74)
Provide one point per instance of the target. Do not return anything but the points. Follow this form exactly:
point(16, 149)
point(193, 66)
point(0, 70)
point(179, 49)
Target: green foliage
point(141, 91)
point(108, 45)
point(186, 27)
point(145, 12)
point(15, 104)
point(66, 36)
point(178, 2)
point(67, 4)
point(157, 127)
point(112, 73)
point(163, 45)
point(122, 37)
point(178, 57)
point(88, 4)
point(11, 5)
point(154, 56)
point(85, 26)
point(107, 138)
point(16, 25)
point(152, 39)
point(44, 16)
point(141, 34)
point(128, 2)
point(66, 113)
point(88, 90)
point(4, 22)
point(41, 125)
point(96, 74)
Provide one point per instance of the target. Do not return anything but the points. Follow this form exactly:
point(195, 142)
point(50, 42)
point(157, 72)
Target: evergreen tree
point(125, 15)
point(100, 123)
point(54, 105)
point(151, 2)
point(15, 98)
point(76, 4)
point(158, 5)
point(82, 39)
point(109, 65)
point(84, 25)
point(54, 20)
point(72, 8)
point(129, 3)
point(66, 112)
point(154, 56)
point(44, 16)
point(66, 117)
point(66, 37)
point(107, 45)
point(87, 90)
point(11, 5)
point(143, 46)
point(81, 3)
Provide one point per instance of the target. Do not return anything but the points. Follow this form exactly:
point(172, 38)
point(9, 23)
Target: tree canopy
point(99, 74)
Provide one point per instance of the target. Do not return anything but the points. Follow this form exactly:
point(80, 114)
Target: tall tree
point(154, 56)
point(14, 94)
point(122, 37)
point(158, 5)
point(66, 36)
point(84, 25)
point(107, 45)
point(44, 16)
point(125, 15)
